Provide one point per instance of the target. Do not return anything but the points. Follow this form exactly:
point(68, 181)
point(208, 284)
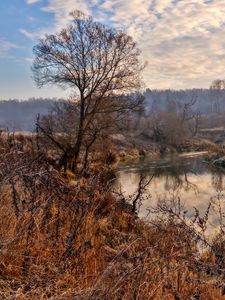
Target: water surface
point(186, 178)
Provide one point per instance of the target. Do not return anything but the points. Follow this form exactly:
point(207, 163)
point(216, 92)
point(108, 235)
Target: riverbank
point(133, 147)
point(216, 157)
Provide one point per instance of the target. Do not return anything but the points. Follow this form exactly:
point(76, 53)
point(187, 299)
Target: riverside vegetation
point(74, 238)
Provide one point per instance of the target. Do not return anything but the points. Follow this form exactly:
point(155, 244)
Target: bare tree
point(101, 65)
point(218, 84)
point(177, 123)
point(216, 88)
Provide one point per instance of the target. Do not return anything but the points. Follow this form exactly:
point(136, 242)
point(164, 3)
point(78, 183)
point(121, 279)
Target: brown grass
point(63, 241)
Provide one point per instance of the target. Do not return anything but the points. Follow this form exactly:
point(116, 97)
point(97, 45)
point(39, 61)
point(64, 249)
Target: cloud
point(32, 19)
point(6, 46)
point(61, 10)
point(183, 41)
point(32, 1)
point(27, 33)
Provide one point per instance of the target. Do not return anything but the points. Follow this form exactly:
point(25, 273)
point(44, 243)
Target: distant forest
point(205, 101)
point(20, 115)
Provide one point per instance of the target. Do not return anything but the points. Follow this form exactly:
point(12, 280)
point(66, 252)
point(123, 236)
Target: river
point(184, 178)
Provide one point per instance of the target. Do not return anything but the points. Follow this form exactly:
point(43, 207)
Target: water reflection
point(187, 179)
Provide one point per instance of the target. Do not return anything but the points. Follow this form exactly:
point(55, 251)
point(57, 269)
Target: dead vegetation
point(77, 240)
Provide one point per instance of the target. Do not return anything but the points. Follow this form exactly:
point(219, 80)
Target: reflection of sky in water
point(185, 177)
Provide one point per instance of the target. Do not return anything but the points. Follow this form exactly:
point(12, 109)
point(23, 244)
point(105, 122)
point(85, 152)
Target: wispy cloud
point(61, 10)
point(183, 41)
point(27, 33)
point(33, 1)
point(5, 47)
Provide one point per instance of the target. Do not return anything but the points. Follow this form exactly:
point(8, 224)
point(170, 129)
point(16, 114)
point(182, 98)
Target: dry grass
point(63, 241)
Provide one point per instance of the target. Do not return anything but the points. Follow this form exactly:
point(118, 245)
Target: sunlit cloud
point(61, 10)
point(183, 41)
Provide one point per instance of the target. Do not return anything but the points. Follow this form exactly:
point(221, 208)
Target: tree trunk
point(78, 144)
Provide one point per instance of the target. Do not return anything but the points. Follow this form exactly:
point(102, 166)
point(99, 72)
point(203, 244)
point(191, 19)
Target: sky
point(182, 41)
